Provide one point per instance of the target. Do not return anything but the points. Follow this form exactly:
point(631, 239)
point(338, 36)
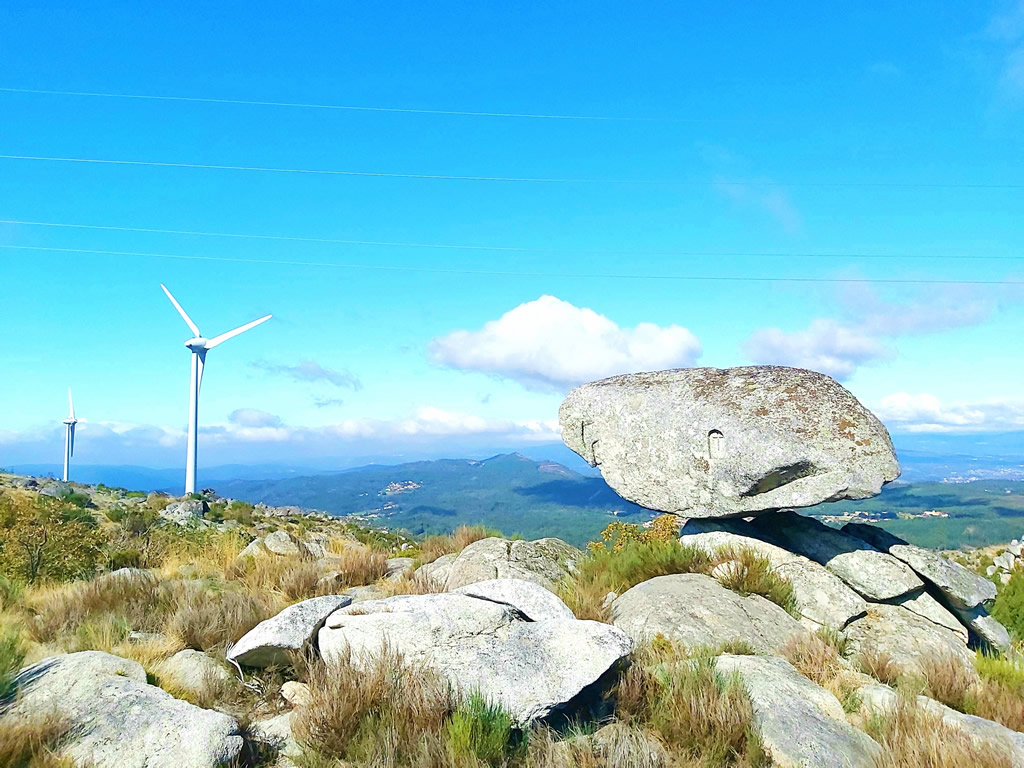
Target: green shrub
point(38, 544)
point(80, 500)
point(124, 558)
point(1009, 605)
point(140, 520)
point(480, 729)
point(240, 511)
point(12, 654)
point(135, 494)
point(116, 513)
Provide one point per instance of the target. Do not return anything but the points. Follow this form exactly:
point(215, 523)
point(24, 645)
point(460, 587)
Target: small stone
point(295, 693)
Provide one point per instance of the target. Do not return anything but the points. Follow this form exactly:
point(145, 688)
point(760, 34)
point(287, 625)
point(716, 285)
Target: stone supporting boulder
point(696, 611)
point(530, 599)
point(706, 442)
point(117, 720)
point(530, 668)
point(800, 724)
point(822, 598)
point(908, 639)
point(544, 561)
point(875, 575)
point(961, 588)
point(271, 641)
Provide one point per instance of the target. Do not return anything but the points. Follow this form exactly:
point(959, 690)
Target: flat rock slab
point(986, 628)
point(544, 561)
point(696, 611)
point(822, 598)
point(875, 575)
point(963, 589)
point(530, 599)
point(271, 641)
point(986, 734)
point(707, 442)
point(800, 724)
point(926, 606)
point(530, 668)
point(118, 721)
point(907, 638)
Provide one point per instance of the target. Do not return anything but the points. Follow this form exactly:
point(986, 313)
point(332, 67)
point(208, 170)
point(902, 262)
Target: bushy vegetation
point(630, 554)
point(42, 539)
point(1009, 605)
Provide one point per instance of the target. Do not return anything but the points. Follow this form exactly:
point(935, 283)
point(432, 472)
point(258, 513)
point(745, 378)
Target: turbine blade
point(71, 405)
point(72, 439)
point(231, 334)
point(184, 315)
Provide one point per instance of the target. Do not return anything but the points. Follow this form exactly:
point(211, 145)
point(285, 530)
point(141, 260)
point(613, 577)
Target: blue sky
point(783, 142)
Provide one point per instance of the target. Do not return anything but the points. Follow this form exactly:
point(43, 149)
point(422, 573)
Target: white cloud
point(825, 346)
point(766, 196)
point(550, 343)
point(838, 348)
point(252, 417)
point(927, 413)
point(311, 370)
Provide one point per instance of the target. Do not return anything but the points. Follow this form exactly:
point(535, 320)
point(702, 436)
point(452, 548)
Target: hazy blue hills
point(509, 492)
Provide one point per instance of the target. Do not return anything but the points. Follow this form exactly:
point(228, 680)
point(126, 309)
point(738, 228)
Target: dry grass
point(414, 583)
point(912, 738)
point(434, 547)
point(814, 658)
point(698, 714)
point(32, 743)
point(207, 620)
point(384, 715)
point(878, 664)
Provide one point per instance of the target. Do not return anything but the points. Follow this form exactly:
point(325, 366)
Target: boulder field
point(731, 453)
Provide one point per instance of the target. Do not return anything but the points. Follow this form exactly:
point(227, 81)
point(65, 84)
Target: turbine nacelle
point(198, 344)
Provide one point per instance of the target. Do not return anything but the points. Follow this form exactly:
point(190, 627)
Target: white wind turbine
point(69, 435)
point(199, 346)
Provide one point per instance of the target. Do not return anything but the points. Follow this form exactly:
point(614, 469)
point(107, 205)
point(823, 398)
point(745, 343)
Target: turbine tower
point(199, 346)
point(69, 435)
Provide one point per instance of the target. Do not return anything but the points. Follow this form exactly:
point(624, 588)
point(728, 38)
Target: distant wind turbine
point(69, 435)
point(199, 347)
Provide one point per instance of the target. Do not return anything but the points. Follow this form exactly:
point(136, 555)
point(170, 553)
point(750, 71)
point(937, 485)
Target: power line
point(517, 273)
point(351, 108)
point(532, 179)
point(514, 249)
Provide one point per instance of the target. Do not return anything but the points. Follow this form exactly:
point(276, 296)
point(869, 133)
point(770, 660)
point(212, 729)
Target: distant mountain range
point(509, 492)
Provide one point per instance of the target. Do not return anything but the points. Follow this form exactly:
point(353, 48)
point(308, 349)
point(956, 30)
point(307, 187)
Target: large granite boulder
point(962, 589)
point(821, 598)
point(117, 720)
point(907, 639)
point(282, 543)
point(530, 599)
point(800, 724)
point(273, 640)
point(875, 575)
point(706, 442)
point(696, 611)
point(544, 561)
point(530, 668)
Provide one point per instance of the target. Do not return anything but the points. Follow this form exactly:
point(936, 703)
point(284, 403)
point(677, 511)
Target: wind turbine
point(69, 435)
point(199, 347)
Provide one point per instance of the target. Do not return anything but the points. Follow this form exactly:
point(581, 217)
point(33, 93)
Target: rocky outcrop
point(185, 512)
point(530, 668)
point(800, 724)
point(706, 442)
point(875, 575)
point(533, 601)
point(696, 611)
point(961, 588)
point(821, 598)
point(117, 720)
point(544, 561)
point(271, 641)
point(907, 639)
point(281, 543)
